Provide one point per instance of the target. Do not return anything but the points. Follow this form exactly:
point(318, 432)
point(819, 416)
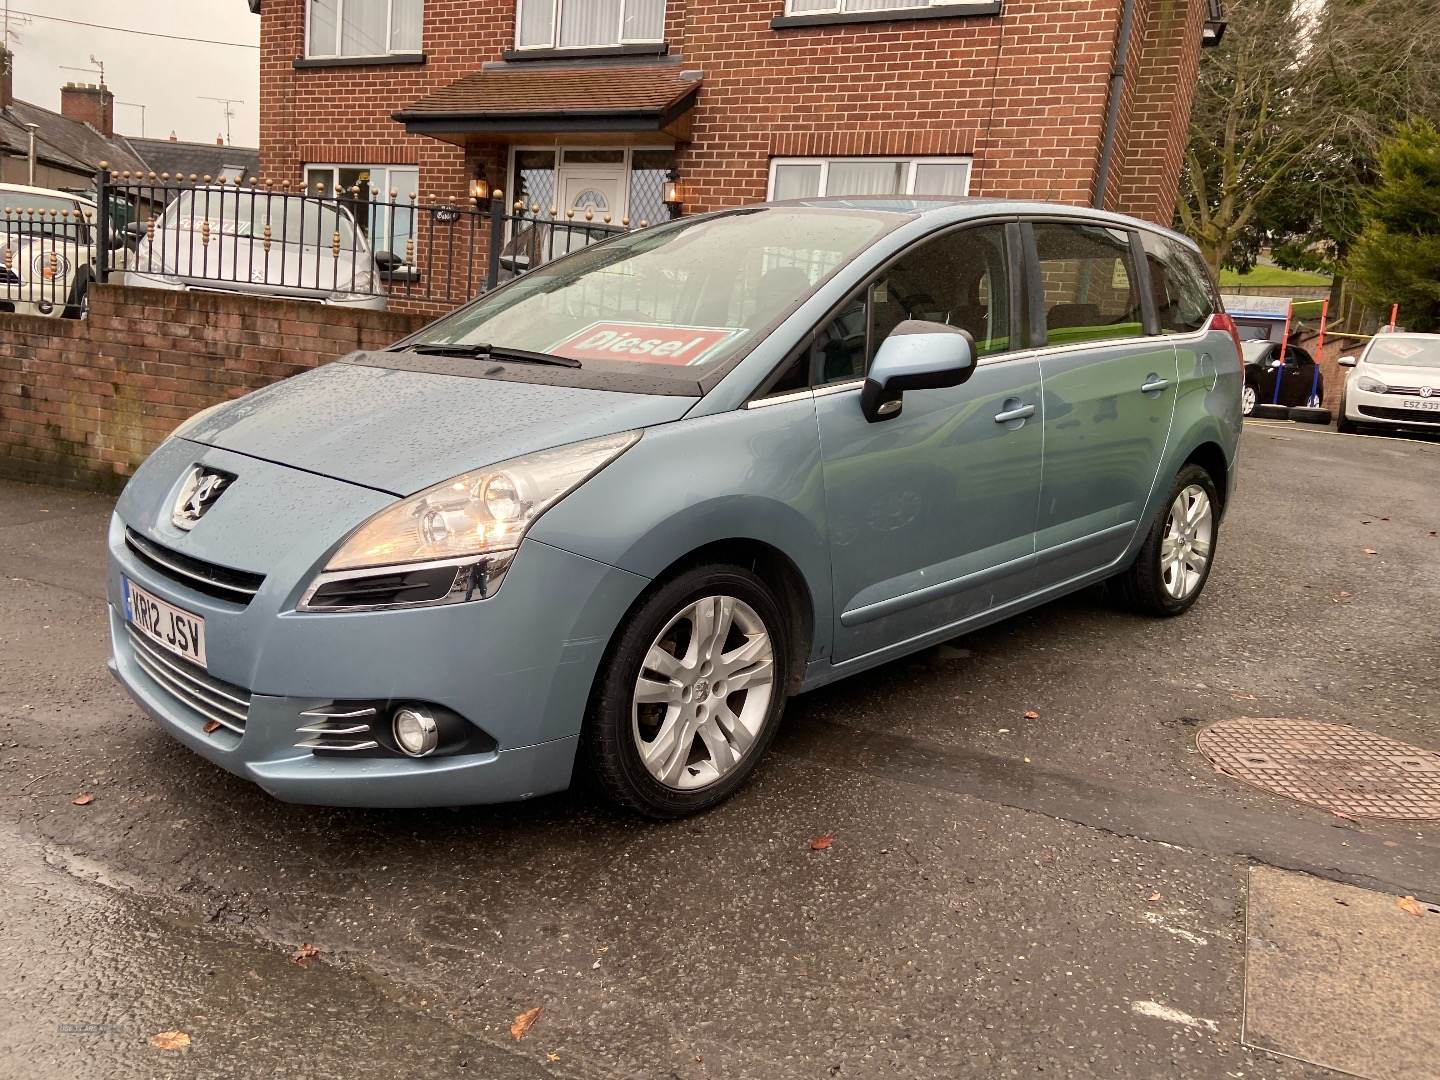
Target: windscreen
point(678, 297)
point(1405, 351)
point(292, 220)
point(41, 215)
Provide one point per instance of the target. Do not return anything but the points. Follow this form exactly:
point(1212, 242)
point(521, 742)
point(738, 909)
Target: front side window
point(363, 27)
point(1089, 283)
point(1183, 299)
point(289, 218)
point(673, 298)
point(856, 7)
point(380, 197)
point(588, 24)
point(806, 178)
point(959, 279)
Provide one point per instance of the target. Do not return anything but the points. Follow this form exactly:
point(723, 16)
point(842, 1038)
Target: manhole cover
point(1340, 768)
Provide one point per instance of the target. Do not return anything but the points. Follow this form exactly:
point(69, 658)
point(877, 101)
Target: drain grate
point(1339, 768)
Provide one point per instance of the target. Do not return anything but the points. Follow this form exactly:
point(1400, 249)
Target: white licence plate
point(165, 624)
point(1420, 403)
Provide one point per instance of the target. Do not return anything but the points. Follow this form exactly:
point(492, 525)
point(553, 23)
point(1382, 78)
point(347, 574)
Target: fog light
point(415, 730)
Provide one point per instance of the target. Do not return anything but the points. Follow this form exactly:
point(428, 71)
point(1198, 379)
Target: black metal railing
point(324, 244)
point(46, 256)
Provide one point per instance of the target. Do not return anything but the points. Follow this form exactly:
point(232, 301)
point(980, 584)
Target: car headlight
point(50, 266)
point(1371, 386)
point(454, 541)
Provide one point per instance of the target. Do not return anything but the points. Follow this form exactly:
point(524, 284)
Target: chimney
point(7, 78)
point(90, 104)
point(219, 140)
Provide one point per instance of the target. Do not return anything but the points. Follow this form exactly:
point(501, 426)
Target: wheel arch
point(1210, 457)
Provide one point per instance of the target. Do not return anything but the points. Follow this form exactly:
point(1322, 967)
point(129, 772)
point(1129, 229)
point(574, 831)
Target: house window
point(363, 27)
point(855, 7)
point(381, 198)
point(585, 24)
point(804, 178)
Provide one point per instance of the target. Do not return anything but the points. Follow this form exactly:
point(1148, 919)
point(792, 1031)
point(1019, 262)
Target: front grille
point(1411, 391)
point(221, 582)
point(1406, 416)
point(192, 685)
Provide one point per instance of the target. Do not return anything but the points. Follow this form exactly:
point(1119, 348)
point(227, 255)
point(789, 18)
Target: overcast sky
point(167, 77)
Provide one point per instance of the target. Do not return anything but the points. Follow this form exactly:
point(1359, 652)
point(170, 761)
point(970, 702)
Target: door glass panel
point(1088, 278)
point(1180, 290)
point(535, 179)
point(960, 279)
point(648, 169)
point(594, 157)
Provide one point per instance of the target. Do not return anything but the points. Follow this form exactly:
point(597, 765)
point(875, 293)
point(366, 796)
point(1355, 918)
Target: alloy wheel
point(703, 693)
point(1247, 401)
point(1185, 547)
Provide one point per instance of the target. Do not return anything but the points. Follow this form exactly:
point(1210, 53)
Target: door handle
point(1153, 385)
point(1021, 413)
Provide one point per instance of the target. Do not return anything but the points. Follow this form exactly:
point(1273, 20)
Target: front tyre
point(690, 694)
point(1248, 399)
point(1174, 562)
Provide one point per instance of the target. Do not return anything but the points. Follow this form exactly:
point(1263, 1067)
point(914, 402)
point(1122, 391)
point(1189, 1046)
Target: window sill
point(939, 11)
point(359, 61)
point(658, 48)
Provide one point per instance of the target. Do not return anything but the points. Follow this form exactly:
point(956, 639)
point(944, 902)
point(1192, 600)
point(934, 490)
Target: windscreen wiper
point(490, 352)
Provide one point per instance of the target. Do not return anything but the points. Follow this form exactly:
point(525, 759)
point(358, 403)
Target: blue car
point(610, 516)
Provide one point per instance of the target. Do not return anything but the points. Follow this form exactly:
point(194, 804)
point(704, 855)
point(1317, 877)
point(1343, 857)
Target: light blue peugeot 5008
point(612, 515)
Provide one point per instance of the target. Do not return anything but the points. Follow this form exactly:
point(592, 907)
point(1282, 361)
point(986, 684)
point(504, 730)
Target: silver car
point(226, 239)
point(613, 514)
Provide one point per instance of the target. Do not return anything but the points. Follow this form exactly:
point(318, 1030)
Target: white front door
point(597, 188)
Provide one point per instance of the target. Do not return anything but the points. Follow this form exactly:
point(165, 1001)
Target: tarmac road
point(1003, 897)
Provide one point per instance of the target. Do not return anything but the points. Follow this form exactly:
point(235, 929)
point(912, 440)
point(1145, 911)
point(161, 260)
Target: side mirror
point(917, 355)
point(1347, 361)
point(387, 260)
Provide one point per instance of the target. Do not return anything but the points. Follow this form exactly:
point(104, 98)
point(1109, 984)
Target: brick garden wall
point(82, 402)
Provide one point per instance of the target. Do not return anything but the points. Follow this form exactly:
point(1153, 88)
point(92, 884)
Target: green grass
point(1272, 275)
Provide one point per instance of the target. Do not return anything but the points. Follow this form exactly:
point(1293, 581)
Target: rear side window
point(1183, 295)
point(1089, 283)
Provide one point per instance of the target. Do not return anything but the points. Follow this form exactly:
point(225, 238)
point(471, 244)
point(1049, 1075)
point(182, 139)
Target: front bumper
point(519, 665)
point(1365, 407)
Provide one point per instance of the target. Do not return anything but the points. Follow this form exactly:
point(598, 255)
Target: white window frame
point(401, 198)
point(336, 54)
point(909, 162)
point(838, 7)
point(553, 42)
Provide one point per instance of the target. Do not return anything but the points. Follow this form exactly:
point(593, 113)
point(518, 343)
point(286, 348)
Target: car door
point(931, 514)
point(1297, 377)
point(1110, 393)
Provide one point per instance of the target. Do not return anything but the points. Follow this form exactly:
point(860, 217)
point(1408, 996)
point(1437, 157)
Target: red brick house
point(596, 103)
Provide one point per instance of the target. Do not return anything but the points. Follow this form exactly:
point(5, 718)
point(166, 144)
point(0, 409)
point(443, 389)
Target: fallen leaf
point(83, 799)
point(551, 1056)
point(1032, 715)
point(1027, 761)
point(211, 726)
point(1153, 897)
point(1410, 904)
point(820, 843)
point(524, 1022)
point(170, 1040)
point(304, 954)
point(1371, 551)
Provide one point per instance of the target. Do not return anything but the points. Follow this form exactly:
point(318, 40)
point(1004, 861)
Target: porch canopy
point(502, 102)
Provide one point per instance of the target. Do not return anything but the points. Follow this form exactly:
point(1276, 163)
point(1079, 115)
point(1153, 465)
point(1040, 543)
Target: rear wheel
point(690, 695)
point(1174, 561)
point(1248, 398)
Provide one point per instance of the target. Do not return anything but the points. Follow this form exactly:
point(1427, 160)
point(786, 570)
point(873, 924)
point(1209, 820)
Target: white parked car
point(1394, 382)
point(248, 240)
point(47, 251)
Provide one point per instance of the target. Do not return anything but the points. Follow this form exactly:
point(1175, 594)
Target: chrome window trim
point(1042, 351)
point(839, 387)
point(778, 399)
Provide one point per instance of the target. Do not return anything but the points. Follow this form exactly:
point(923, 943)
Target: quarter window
point(363, 27)
point(1089, 283)
point(585, 24)
point(805, 178)
point(1183, 295)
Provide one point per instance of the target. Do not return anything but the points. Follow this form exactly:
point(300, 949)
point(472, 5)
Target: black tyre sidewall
point(1147, 583)
point(607, 742)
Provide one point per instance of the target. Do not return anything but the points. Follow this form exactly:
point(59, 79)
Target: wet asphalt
point(1060, 895)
